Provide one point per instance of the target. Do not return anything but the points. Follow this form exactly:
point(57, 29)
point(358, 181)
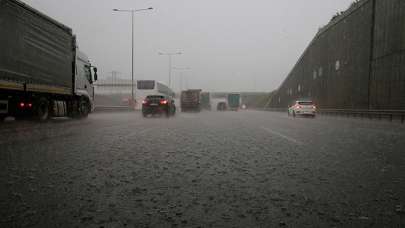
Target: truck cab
point(84, 78)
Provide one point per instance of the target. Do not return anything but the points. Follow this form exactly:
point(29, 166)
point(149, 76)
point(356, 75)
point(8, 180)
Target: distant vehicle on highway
point(234, 101)
point(221, 106)
point(145, 88)
point(190, 100)
point(303, 108)
point(206, 101)
point(158, 104)
point(42, 72)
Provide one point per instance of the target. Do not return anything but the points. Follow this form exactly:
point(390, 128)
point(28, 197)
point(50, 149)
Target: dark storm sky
point(230, 45)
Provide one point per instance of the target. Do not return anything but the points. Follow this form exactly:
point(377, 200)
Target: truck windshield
point(87, 71)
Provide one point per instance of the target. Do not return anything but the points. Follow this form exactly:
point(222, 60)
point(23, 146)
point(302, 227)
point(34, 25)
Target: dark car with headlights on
point(158, 105)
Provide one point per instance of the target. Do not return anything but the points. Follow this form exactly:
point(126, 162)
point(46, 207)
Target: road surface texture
point(211, 169)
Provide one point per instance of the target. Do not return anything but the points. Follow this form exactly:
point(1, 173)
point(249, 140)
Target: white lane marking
point(282, 136)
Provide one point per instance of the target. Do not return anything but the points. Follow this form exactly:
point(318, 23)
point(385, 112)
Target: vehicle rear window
point(305, 103)
point(155, 97)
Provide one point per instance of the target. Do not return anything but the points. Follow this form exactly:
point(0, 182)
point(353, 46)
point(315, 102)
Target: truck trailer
point(233, 101)
point(190, 100)
point(42, 72)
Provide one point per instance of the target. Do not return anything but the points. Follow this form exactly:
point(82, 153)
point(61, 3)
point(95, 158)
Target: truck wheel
point(42, 109)
point(73, 109)
point(84, 108)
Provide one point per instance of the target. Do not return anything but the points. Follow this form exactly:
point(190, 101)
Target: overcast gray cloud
point(231, 45)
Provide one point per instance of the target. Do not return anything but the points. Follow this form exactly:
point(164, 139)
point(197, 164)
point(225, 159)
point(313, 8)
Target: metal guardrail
point(362, 113)
point(371, 114)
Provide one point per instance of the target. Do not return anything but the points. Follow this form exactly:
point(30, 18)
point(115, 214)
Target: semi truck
point(190, 100)
point(42, 71)
point(233, 101)
point(206, 101)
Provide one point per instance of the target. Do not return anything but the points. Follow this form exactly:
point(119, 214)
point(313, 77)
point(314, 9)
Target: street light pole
point(170, 63)
point(181, 81)
point(182, 70)
point(132, 11)
point(132, 59)
point(170, 70)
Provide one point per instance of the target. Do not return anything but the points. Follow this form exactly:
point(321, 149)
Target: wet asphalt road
point(212, 169)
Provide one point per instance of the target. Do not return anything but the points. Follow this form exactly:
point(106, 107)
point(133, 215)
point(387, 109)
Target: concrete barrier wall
point(387, 84)
point(354, 62)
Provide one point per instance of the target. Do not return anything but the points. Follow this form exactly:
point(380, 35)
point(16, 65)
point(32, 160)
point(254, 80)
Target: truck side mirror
point(95, 74)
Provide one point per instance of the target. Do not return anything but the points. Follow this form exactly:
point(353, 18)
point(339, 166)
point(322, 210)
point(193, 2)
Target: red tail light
point(22, 105)
point(163, 102)
point(144, 102)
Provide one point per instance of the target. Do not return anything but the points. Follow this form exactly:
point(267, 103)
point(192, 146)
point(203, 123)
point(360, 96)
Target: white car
point(303, 108)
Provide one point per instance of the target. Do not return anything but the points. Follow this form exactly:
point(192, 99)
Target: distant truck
point(221, 106)
point(190, 100)
point(233, 101)
point(206, 101)
point(42, 72)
